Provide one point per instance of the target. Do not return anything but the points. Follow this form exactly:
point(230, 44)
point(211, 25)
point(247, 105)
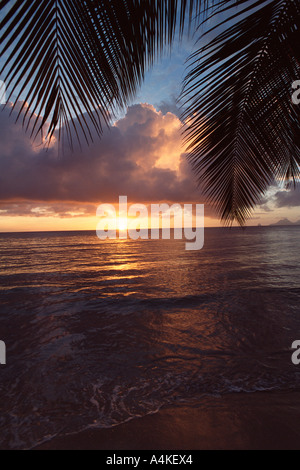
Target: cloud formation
point(289, 198)
point(141, 156)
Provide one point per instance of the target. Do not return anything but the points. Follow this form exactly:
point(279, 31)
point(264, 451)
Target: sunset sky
point(142, 156)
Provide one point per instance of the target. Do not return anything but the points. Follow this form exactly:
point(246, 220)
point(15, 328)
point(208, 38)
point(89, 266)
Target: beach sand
point(266, 420)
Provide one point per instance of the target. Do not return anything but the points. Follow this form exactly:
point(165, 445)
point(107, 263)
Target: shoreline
point(258, 421)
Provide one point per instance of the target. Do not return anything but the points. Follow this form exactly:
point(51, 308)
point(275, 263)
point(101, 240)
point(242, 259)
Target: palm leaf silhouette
point(83, 58)
point(78, 62)
point(243, 128)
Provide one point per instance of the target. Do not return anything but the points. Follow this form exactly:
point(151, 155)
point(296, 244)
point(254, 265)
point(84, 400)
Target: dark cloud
point(170, 106)
point(34, 209)
point(265, 208)
point(289, 198)
point(128, 160)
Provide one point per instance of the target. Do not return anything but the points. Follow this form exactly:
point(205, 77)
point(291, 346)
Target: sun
point(122, 224)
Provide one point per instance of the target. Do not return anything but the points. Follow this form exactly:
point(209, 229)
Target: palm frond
point(75, 63)
point(242, 127)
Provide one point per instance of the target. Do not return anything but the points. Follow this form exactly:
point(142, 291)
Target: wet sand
point(266, 420)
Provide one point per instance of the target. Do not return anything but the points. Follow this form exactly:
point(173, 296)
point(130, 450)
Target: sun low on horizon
point(142, 157)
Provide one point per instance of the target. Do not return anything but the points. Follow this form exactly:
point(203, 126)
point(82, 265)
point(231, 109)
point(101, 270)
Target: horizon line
point(193, 228)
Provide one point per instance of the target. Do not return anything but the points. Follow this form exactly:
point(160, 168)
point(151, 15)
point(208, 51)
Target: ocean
point(102, 333)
